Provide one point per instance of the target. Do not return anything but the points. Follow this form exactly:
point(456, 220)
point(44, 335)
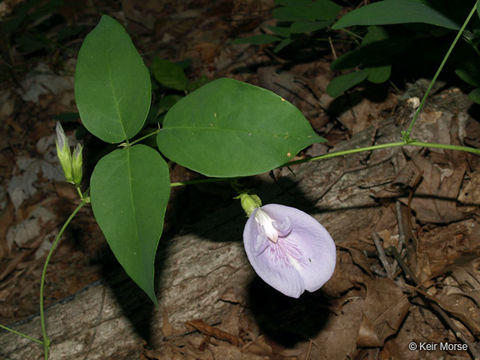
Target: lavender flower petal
point(300, 256)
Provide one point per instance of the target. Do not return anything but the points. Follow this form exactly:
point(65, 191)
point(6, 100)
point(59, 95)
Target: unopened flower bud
point(77, 164)
point(63, 153)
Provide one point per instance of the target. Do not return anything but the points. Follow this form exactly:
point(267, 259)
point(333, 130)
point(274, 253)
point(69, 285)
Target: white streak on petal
point(294, 263)
point(266, 223)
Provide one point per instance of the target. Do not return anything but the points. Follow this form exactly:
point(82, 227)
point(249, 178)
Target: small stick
point(309, 351)
point(334, 53)
point(402, 240)
point(381, 255)
point(401, 229)
point(211, 331)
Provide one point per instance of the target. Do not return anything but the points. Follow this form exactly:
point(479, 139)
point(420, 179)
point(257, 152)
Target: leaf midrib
point(256, 132)
point(130, 185)
point(115, 101)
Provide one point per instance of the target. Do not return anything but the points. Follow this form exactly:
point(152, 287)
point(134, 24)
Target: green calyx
point(249, 202)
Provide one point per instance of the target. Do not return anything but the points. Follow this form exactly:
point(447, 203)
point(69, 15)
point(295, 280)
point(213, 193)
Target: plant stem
point(79, 191)
point(386, 146)
point(21, 334)
point(200, 181)
point(343, 153)
point(406, 134)
point(144, 137)
point(46, 340)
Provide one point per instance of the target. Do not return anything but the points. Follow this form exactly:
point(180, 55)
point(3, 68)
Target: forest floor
point(438, 302)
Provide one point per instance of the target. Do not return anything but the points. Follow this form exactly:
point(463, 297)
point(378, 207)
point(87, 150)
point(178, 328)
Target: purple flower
point(289, 249)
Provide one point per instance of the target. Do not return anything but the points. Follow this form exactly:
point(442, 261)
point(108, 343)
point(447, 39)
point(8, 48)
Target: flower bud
point(63, 153)
point(77, 164)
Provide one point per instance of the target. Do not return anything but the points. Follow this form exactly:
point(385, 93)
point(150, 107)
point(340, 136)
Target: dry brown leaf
point(367, 337)
point(441, 246)
point(347, 275)
point(467, 273)
point(359, 259)
point(435, 198)
point(421, 325)
point(6, 219)
point(470, 193)
point(207, 51)
point(258, 347)
point(167, 328)
point(337, 340)
point(385, 309)
point(366, 113)
point(461, 297)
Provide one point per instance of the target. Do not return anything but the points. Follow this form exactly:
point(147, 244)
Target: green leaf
point(378, 74)
point(169, 74)
point(112, 84)
point(282, 44)
point(469, 72)
point(293, 3)
point(280, 30)
point(129, 192)
point(374, 33)
point(257, 39)
point(228, 128)
point(395, 12)
point(302, 10)
point(376, 53)
point(475, 95)
point(197, 83)
point(166, 102)
point(344, 82)
point(300, 27)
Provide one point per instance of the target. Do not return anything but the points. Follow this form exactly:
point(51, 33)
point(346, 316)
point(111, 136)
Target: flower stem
point(406, 134)
point(21, 334)
point(46, 340)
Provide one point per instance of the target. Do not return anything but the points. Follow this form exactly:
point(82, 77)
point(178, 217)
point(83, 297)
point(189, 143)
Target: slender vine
point(406, 134)
point(46, 340)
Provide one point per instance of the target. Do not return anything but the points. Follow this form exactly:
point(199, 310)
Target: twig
point(401, 228)
point(211, 331)
point(381, 255)
point(402, 241)
point(309, 351)
point(334, 53)
point(417, 181)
